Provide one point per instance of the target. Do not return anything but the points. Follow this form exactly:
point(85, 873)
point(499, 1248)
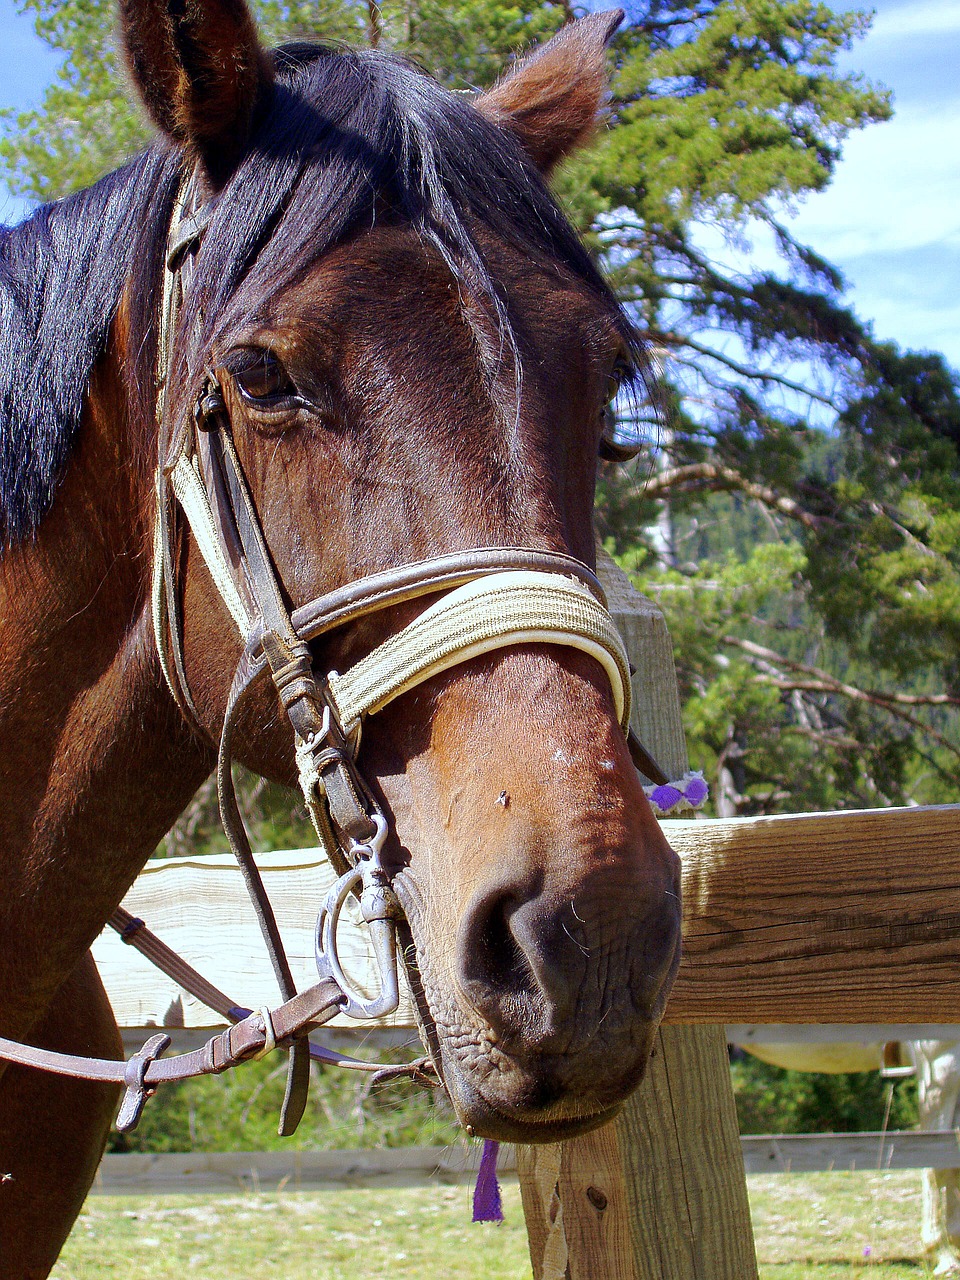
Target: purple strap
point(486, 1194)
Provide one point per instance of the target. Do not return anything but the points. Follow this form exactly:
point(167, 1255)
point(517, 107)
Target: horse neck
point(95, 761)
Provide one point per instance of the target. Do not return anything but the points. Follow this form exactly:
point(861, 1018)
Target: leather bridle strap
point(259, 1032)
point(179, 474)
point(133, 932)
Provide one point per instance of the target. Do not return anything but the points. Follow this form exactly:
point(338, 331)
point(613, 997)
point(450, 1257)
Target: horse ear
point(200, 71)
point(552, 99)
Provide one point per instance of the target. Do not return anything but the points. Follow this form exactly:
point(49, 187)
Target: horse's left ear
point(200, 71)
point(552, 100)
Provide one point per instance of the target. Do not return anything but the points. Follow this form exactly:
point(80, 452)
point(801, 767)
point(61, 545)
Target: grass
point(827, 1226)
point(397, 1233)
point(837, 1226)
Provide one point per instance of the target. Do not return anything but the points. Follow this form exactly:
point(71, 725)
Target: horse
point(414, 354)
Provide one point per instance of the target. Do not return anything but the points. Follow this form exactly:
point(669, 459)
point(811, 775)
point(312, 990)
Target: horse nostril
point(511, 969)
point(493, 968)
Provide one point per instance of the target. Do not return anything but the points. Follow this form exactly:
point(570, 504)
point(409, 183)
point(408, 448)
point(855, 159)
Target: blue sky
point(891, 219)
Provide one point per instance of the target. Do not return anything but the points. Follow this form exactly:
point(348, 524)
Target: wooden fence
point(828, 918)
point(772, 933)
point(267, 1171)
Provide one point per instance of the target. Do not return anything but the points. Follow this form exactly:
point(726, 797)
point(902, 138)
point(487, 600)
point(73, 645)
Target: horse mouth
point(518, 1083)
point(484, 1119)
point(514, 1120)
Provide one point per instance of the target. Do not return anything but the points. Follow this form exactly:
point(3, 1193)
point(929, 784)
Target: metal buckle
point(380, 910)
point(210, 404)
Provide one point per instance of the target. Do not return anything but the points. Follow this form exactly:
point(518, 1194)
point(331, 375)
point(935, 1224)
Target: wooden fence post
point(661, 1193)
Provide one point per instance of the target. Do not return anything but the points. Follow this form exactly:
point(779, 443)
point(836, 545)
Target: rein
point(492, 597)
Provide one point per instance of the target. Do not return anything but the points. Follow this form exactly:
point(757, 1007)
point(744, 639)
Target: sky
point(891, 218)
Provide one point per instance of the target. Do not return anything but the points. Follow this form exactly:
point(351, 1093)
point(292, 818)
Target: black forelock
point(351, 131)
point(347, 128)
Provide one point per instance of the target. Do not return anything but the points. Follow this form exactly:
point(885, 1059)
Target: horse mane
point(344, 134)
point(61, 275)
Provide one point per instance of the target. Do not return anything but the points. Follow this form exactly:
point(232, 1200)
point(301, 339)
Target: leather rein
point(493, 597)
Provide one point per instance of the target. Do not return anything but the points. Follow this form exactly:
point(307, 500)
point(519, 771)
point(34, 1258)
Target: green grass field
point(828, 1226)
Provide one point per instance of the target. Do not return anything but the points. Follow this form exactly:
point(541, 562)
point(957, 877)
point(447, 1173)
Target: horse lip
point(483, 1120)
point(487, 1122)
point(531, 1132)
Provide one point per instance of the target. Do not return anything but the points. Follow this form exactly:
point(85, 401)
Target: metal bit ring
point(380, 910)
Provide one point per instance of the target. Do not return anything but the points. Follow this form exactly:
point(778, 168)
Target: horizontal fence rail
point(828, 917)
point(813, 918)
point(808, 929)
point(271, 1171)
point(855, 1152)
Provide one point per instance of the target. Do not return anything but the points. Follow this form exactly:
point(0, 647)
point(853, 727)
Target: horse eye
point(614, 383)
point(611, 449)
point(621, 375)
point(261, 377)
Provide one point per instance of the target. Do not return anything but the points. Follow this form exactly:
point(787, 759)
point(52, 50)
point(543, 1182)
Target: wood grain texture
point(832, 917)
point(811, 918)
point(669, 1171)
point(683, 1156)
point(839, 917)
point(578, 1189)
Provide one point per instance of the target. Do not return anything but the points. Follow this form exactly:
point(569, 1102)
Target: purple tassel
point(689, 792)
point(486, 1194)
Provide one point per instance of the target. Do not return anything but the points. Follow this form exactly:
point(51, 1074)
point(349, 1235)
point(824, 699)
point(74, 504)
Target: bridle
point(494, 597)
point(484, 599)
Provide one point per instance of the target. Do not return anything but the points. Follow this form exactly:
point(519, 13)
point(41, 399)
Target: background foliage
point(239, 1111)
point(772, 1100)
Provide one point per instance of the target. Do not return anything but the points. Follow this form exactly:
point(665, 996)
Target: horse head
point(414, 354)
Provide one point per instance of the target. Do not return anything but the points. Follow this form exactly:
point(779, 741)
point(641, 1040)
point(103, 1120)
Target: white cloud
point(911, 325)
point(897, 187)
point(891, 222)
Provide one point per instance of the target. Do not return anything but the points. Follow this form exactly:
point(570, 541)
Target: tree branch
point(819, 681)
point(819, 678)
point(712, 477)
point(680, 20)
point(759, 374)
